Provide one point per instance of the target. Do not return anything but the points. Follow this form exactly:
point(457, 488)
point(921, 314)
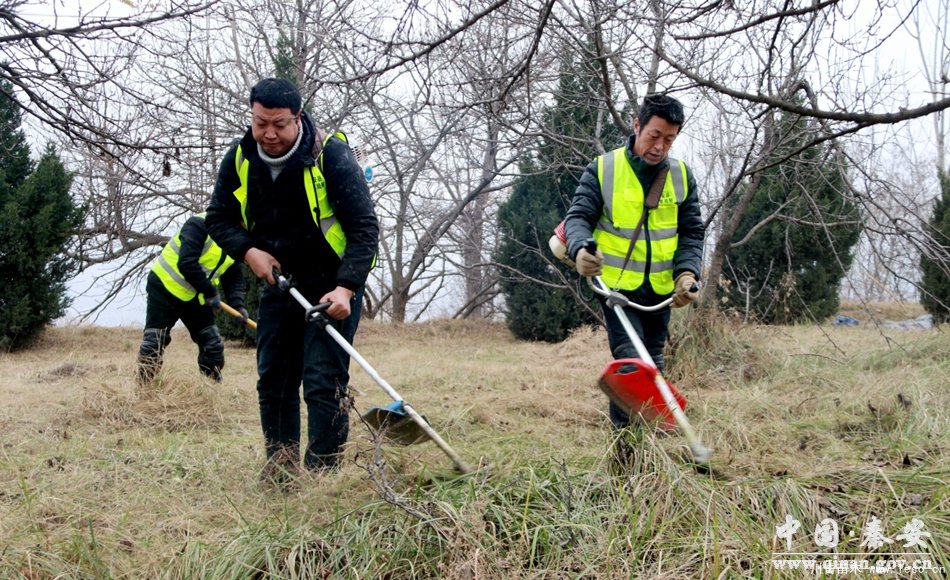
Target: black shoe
point(281, 469)
point(322, 463)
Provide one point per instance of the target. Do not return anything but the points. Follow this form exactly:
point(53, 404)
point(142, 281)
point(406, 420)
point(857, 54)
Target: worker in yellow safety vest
point(185, 284)
point(642, 208)
point(292, 197)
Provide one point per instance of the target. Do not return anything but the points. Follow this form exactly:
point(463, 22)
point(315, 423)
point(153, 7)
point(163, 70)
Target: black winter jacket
point(587, 206)
point(194, 234)
point(280, 214)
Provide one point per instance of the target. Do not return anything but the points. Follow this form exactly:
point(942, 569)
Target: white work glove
point(560, 251)
point(684, 293)
point(589, 264)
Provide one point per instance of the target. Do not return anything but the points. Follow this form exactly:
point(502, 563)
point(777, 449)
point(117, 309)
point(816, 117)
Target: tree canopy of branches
point(445, 96)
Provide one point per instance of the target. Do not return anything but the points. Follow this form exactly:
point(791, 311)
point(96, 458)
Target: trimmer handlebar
point(615, 297)
point(313, 312)
point(316, 313)
point(617, 301)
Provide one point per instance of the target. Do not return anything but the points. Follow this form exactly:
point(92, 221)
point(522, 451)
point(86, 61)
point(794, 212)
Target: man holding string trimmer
point(292, 199)
point(642, 209)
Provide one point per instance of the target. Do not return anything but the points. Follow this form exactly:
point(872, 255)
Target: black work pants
point(162, 311)
point(290, 351)
point(651, 327)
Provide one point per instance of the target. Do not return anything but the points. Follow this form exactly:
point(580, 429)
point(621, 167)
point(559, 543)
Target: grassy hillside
point(99, 478)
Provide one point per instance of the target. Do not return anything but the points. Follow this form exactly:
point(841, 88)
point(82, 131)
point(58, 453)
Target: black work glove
point(244, 314)
point(214, 301)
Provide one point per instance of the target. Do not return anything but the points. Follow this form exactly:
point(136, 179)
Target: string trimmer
point(643, 391)
point(389, 420)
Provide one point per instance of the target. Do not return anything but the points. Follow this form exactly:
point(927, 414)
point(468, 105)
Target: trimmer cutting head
point(394, 424)
point(631, 385)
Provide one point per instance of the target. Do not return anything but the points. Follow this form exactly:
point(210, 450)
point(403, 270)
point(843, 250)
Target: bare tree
point(69, 77)
point(711, 52)
point(445, 96)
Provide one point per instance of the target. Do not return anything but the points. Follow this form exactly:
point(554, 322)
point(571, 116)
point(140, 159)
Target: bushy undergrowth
point(711, 351)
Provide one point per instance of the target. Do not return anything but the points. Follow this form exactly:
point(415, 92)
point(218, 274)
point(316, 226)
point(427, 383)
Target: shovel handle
point(233, 312)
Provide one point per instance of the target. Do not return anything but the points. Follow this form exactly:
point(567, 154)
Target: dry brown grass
point(881, 311)
point(99, 477)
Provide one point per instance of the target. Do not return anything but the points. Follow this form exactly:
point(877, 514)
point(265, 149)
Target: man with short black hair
point(666, 257)
point(291, 197)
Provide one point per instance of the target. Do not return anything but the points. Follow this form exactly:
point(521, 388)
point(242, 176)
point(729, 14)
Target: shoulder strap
point(656, 190)
point(318, 138)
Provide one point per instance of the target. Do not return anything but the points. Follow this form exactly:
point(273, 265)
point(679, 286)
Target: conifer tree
point(535, 311)
point(935, 262)
point(529, 279)
point(37, 221)
point(801, 229)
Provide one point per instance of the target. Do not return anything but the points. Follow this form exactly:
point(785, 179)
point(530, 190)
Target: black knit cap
point(273, 93)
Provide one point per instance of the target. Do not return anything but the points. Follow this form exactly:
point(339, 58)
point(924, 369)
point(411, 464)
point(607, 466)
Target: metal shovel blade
point(394, 424)
point(631, 384)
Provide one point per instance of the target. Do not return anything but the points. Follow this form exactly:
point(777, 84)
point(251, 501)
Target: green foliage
point(285, 66)
point(935, 263)
point(37, 220)
point(791, 267)
point(537, 310)
point(15, 163)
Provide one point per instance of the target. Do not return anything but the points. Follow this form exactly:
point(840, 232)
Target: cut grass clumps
point(173, 401)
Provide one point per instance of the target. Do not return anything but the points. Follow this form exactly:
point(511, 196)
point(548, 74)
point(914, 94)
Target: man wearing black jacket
point(183, 285)
point(290, 197)
point(667, 256)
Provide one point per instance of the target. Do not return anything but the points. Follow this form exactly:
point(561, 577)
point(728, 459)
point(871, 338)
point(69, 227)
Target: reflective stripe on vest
point(316, 187)
point(623, 205)
point(213, 261)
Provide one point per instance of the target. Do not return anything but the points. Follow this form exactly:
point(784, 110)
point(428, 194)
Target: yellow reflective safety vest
point(316, 187)
point(213, 261)
point(623, 196)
